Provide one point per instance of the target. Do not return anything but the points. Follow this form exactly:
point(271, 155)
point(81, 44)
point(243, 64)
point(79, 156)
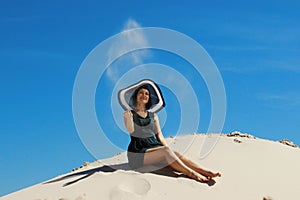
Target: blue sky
point(255, 46)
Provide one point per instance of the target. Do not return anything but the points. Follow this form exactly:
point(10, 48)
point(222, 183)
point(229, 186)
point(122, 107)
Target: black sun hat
point(126, 96)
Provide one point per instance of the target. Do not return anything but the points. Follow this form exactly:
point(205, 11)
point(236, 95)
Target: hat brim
point(125, 96)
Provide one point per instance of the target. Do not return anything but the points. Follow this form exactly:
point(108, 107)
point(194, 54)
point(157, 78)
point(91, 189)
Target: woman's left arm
point(158, 131)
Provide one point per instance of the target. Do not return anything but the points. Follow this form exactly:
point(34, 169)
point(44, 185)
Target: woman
point(148, 145)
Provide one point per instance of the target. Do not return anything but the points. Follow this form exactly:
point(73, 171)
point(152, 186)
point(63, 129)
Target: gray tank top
point(143, 127)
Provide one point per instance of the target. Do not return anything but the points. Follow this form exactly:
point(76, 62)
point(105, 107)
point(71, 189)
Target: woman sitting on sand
point(148, 145)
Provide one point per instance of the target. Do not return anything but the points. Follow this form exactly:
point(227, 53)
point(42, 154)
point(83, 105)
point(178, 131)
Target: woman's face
point(142, 96)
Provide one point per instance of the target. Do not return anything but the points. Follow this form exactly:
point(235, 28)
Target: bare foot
point(208, 174)
point(198, 177)
point(211, 175)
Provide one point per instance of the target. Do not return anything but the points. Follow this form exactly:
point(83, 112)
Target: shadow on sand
point(165, 171)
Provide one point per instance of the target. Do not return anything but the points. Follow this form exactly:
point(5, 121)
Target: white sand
point(251, 169)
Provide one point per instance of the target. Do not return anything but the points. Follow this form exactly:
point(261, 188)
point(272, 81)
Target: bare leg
point(156, 155)
point(196, 167)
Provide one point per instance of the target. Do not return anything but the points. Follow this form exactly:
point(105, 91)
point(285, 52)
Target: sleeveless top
point(143, 138)
point(143, 127)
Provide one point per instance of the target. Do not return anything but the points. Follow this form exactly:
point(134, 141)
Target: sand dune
point(252, 168)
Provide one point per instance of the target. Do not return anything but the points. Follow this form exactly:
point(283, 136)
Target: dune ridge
point(252, 168)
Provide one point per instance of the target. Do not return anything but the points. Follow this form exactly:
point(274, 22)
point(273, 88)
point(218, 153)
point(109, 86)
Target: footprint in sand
point(267, 198)
point(130, 189)
point(83, 197)
point(237, 141)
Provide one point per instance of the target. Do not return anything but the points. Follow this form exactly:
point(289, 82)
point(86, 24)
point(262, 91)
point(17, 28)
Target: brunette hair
point(134, 97)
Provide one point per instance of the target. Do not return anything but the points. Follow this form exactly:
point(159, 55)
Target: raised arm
point(160, 136)
point(128, 120)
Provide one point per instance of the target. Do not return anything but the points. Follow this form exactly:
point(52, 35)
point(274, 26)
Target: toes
point(215, 175)
point(204, 180)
